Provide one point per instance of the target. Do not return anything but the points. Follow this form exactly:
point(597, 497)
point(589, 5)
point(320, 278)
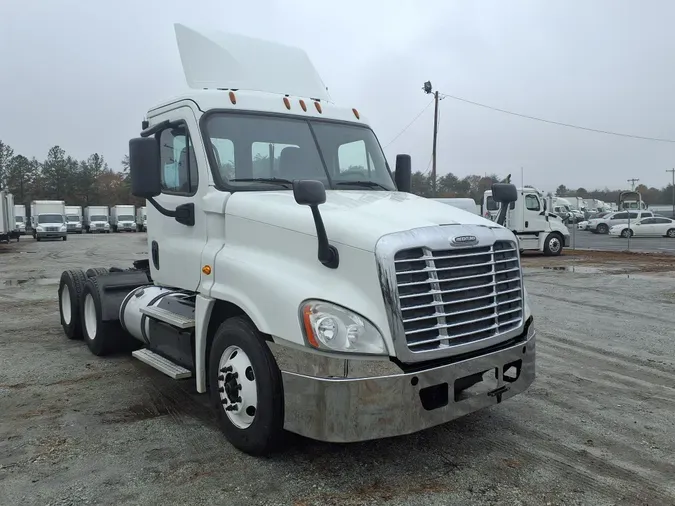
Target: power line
point(409, 124)
point(559, 123)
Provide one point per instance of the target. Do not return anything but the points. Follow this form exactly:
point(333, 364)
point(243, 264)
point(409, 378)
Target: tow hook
point(498, 392)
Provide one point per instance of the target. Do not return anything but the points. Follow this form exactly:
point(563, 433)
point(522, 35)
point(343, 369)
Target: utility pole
point(428, 90)
point(672, 171)
point(632, 183)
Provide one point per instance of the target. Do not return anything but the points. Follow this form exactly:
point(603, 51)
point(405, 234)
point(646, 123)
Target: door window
point(177, 161)
point(619, 216)
point(532, 203)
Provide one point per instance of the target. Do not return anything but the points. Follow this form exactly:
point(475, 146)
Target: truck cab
point(74, 219)
point(48, 219)
point(292, 276)
point(529, 219)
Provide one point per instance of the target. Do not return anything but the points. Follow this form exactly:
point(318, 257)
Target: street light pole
point(672, 171)
point(428, 89)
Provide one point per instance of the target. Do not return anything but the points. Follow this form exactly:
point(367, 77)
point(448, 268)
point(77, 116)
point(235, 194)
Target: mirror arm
point(156, 128)
point(501, 217)
point(328, 254)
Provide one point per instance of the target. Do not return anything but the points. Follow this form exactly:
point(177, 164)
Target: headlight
point(39, 228)
point(64, 227)
point(334, 328)
point(107, 225)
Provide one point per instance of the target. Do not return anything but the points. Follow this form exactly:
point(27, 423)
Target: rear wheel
point(246, 387)
point(602, 228)
point(70, 291)
point(102, 338)
point(671, 233)
point(96, 271)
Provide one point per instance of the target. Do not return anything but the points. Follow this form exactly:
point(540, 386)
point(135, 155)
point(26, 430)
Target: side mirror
point(504, 193)
point(144, 167)
point(403, 174)
point(309, 193)
point(313, 194)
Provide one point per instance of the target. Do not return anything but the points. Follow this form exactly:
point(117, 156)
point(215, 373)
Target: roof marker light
point(302, 104)
point(356, 113)
point(287, 103)
point(318, 107)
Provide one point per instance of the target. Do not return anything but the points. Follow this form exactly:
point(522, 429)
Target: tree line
point(62, 177)
point(93, 182)
point(449, 186)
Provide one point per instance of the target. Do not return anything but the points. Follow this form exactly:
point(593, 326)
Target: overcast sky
point(82, 73)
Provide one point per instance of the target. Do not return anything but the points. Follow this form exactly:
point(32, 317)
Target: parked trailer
point(317, 321)
point(8, 227)
point(20, 218)
point(48, 219)
point(142, 219)
point(74, 219)
point(123, 219)
point(96, 219)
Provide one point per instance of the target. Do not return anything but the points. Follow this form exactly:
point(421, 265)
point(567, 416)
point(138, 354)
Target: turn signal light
point(206, 269)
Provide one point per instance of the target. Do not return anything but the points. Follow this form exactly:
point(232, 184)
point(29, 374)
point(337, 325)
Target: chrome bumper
point(343, 408)
point(50, 234)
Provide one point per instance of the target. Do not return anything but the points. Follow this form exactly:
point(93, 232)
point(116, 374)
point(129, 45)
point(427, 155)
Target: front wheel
point(626, 233)
point(671, 233)
point(246, 387)
point(553, 245)
point(602, 228)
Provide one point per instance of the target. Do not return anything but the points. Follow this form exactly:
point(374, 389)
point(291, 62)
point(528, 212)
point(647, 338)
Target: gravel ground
point(596, 427)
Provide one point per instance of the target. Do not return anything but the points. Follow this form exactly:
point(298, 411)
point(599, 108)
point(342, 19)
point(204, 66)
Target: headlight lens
point(64, 227)
point(107, 225)
point(39, 228)
point(331, 327)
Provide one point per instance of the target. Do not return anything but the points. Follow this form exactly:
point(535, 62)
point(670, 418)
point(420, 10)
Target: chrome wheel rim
point(237, 387)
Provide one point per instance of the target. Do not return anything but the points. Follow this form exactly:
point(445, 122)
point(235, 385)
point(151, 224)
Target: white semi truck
point(48, 219)
point(123, 218)
point(96, 219)
point(20, 218)
point(74, 219)
point(142, 219)
point(529, 219)
point(319, 297)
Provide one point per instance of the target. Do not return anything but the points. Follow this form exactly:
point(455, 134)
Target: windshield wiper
point(368, 184)
point(273, 180)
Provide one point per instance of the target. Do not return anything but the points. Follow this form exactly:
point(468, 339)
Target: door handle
point(527, 223)
point(155, 254)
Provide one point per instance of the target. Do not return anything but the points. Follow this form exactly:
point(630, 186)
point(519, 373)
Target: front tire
point(246, 388)
point(70, 292)
point(602, 229)
point(671, 233)
point(553, 245)
point(626, 233)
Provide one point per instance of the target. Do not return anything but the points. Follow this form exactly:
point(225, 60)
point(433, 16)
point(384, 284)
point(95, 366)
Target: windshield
point(50, 218)
point(98, 217)
point(340, 155)
point(73, 217)
point(19, 219)
point(125, 217)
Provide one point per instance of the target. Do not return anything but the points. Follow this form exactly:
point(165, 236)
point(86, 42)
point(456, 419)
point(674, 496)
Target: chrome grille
point(456, 296)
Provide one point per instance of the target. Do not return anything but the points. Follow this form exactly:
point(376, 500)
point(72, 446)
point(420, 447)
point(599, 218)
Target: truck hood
point(353, 218)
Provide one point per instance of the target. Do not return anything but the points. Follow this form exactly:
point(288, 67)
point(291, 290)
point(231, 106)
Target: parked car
point(658, 226)
point(603, 224)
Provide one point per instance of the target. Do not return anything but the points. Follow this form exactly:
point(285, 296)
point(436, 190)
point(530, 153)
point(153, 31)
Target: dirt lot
point(597, 426)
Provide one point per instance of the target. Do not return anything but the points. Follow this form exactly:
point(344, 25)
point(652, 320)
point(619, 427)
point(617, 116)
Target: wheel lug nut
point(221, 378)
point(231, 407)
point(235, 375)
point(226, 369)
point(223, 401)
point(221, 390)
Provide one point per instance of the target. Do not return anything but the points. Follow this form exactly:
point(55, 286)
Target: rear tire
point(553, 245)
point(256, 425)
point(102, 338)
point(70, 293)
point(96, 271)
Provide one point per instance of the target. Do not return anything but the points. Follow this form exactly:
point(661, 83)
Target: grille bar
point(456, 296)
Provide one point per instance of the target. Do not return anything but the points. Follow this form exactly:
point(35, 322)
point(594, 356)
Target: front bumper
point(349, 409)
point(47, 235)
point(567, 241)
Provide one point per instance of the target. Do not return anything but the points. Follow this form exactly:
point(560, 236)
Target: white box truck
point(529, 219)
point(20, 217)
point(48, 219)
point(8, 227)
point(377, 314)
point(74, 219)
point(96, 219)
point(123, 218)
point(142, 219)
